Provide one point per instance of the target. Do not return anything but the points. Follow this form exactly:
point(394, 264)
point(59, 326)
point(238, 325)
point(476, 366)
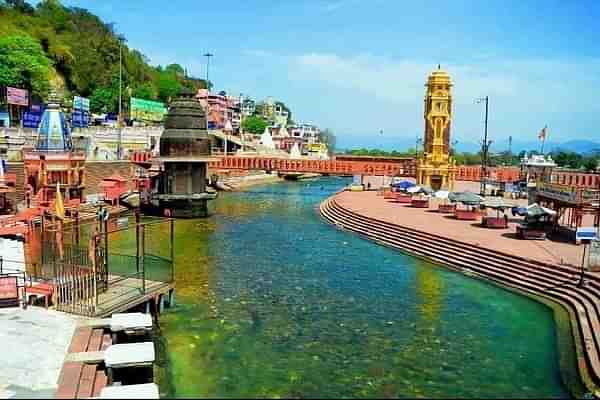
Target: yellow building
point(436, 168)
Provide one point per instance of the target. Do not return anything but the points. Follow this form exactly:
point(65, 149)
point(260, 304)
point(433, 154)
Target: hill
point(73, 50)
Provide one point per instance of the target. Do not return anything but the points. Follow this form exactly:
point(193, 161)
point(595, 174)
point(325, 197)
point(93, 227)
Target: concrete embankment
point(542, 281)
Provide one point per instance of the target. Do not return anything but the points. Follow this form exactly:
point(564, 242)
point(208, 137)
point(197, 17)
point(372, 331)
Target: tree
point(254, 124)
point(104, 100)
point(146, 91)
point(590, 164)
point(168, 86)
point(24, 64)
point(328, 137)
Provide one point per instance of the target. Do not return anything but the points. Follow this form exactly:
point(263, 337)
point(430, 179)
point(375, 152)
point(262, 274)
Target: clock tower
point(436, 168)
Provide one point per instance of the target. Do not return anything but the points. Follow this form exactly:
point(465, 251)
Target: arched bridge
point(343, 165)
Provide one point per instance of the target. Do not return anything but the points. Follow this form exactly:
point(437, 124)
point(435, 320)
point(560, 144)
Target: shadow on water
point(275, 303)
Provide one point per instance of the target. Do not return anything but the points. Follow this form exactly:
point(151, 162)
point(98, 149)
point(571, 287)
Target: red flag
point(542, 134)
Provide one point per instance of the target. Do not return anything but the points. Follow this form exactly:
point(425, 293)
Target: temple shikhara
point(175, 184)
point(54, 162)
point(436, 168)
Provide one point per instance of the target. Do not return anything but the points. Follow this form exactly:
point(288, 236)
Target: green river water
point(273, 302)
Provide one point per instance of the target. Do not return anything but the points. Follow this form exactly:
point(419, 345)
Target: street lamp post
point(208, 56)
point(417, 143)
point(485, 147)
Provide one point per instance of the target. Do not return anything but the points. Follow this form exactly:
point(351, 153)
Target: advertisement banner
point(16, 96)
point(80, 119)
point(33, 116)
point(146, 110)
point(81, 104)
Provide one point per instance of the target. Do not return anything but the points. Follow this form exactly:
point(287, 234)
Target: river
point(273, 302)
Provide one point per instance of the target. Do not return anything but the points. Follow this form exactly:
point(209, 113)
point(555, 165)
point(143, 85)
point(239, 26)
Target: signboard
point(9, 289)
point(81, 104)
point(588, 234)
point(80, 119)
point(33, 117)
point(16, 96)
point(147, 110)
point(4, 120)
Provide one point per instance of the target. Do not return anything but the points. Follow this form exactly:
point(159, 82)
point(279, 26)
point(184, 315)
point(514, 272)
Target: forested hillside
point(72, 50)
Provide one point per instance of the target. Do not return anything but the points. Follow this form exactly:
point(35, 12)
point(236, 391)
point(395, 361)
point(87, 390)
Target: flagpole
point(543, 134)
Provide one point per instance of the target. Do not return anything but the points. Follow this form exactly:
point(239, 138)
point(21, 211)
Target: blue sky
point(359, 67)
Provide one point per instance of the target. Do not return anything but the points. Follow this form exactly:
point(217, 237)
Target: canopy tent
point(498, 204)
point(466, 198)
point(420, 189)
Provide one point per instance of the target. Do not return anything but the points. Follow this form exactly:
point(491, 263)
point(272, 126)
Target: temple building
point(436, 168)
point(54, 162)
point(180, 189)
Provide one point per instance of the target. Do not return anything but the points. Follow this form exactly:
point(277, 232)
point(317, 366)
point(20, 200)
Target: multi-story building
point(221, 108)
point(248, 107)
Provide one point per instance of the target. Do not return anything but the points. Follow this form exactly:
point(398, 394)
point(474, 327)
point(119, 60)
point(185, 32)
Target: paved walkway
point(34, 343)
point(371, 205)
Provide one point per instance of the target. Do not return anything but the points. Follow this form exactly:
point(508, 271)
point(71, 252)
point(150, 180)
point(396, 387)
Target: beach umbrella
point(426, 190)
point(537, 211)
point(497, 204)
point(520, 211)
point(466, 198)
point(403, 185)
point(441, 194)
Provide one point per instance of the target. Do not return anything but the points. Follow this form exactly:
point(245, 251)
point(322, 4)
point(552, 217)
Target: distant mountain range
point(402, 144)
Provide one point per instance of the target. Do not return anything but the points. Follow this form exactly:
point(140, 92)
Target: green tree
point(590, 164)
point(24, 64)
point(146, 91)
point(254, 124)
point(328, 137)
point(168, 86)
point(104, 100)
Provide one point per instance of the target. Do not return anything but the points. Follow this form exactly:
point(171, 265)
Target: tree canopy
point(76, 52)
point(24, 64)
point(254, 124)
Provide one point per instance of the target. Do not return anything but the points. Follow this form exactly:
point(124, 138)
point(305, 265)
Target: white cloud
point(523, 93)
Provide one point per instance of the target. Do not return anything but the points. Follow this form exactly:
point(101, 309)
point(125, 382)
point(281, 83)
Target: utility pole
point(510, 150)
point(120, 119)
point(484, 147)
point(241, 120)
point(208, 56)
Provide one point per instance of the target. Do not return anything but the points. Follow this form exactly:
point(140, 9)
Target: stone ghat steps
point(554, 282)
point(79, 380)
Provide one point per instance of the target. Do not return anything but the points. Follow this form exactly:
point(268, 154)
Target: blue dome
point(54, 133)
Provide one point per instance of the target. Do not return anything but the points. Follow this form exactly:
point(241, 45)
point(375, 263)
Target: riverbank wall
point(556, 283)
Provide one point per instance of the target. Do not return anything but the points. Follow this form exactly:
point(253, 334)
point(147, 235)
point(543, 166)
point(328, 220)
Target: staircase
point(555, 282)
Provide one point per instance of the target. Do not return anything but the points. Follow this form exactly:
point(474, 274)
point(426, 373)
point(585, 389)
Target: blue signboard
point(81, 104)
point(111, 117)
point(80, 119)
point(4, 119)
point(587, 234)
point(33, 116)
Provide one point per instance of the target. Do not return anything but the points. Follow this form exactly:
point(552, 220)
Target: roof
point(115, 177)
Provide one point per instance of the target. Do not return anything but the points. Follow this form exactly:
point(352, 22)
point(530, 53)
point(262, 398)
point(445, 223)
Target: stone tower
point(436, 168)
point(184, 155)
